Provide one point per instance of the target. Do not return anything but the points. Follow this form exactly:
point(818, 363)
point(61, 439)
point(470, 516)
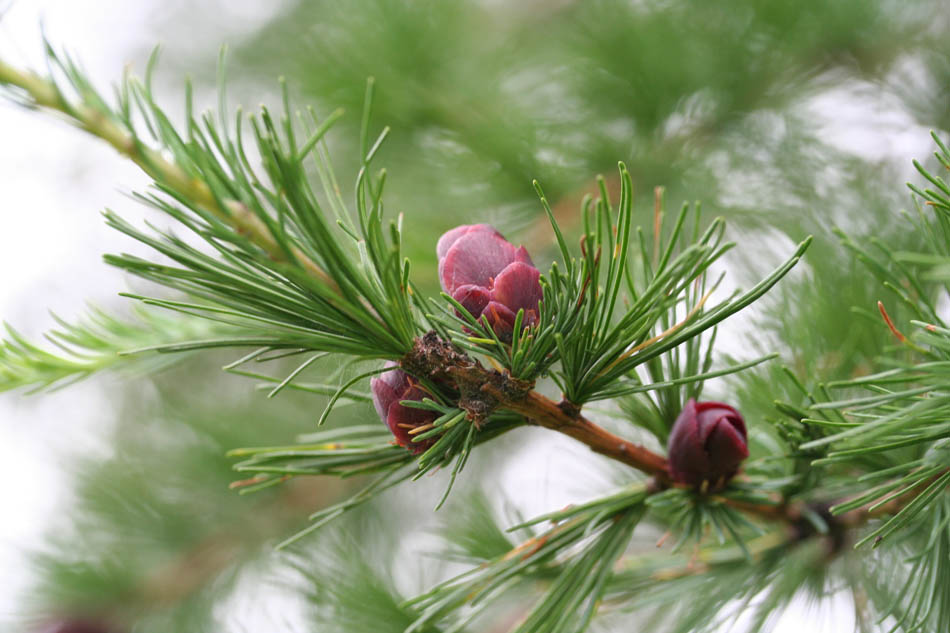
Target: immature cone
point(489, 276)
point(78, 626)
point(708, 443)
point(389, 389)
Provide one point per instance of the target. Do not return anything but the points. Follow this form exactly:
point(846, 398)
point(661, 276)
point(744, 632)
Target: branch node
point(569, 408)
point(481, 390)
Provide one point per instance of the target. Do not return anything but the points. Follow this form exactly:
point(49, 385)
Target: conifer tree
point(813, 460)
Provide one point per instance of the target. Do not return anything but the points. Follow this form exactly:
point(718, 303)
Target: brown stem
point(543, 412)
point(793, 513)
point(566, 419)
point(785, 512)
point(481, 391)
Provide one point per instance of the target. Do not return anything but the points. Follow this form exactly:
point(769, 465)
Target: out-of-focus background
point(787, 117)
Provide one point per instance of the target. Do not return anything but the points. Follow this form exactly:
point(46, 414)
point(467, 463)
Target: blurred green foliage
point(702, 99)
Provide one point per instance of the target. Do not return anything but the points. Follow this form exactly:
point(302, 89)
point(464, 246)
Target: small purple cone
point(708, 443)
point(78, 625)
point(389, 389)
point(489, 276)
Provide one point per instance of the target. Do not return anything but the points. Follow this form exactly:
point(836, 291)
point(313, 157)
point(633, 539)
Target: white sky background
point(53, 184)
point(54, 181)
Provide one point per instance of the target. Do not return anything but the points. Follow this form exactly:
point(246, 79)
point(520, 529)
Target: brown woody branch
point(485, 390)
point(543, 412)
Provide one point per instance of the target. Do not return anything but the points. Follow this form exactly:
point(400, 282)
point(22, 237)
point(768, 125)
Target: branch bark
point(543, 412)
point(483, 390)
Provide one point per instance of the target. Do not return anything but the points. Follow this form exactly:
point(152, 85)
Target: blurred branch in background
point(157, 537)
point(484, 99)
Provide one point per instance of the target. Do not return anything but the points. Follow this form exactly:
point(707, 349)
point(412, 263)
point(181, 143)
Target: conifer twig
point(483, 390)
point(43, 93)
point(542, 411)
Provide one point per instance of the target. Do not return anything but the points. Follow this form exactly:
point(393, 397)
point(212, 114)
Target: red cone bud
point(389, 389)
point(708, 443)
point(78, 626)
point(489, 276)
